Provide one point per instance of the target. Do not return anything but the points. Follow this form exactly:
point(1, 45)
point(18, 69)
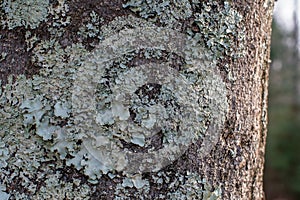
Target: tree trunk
point(133, 100)
point(295, 60)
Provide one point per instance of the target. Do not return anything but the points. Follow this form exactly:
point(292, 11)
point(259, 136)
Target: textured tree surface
point(133, 99)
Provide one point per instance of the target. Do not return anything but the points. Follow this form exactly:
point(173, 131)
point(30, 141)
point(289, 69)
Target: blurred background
point(282, 169)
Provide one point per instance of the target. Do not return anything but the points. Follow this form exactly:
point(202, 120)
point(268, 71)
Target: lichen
point(26, 150)
point(98, 111)
point(220, 28)
point(192, 186)
point(137, 183)
point(29, 13)
point(59, 19)
point(3, 194)
point(166, 12)
point(181, 186)
point(3, 55)
point(179, 98)
point(93, 28)
point(218, 23)
point(55, 188)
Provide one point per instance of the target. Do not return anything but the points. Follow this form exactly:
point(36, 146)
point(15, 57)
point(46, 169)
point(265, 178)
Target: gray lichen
point(3, 56)
point(192, 186)
point(92, 28)
point(55, 188)
point(43, 118)
point(166, 12)
point(218, 23)
point(29, 13)
point(60, 19)
point(3, 194)
point(101, 137)
point(140, 185)
point(219, 26)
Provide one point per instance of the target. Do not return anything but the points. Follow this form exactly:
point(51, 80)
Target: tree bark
point(133, 100)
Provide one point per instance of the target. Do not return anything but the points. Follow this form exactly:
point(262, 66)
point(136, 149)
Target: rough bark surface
point(250, 104)
point(37, 161)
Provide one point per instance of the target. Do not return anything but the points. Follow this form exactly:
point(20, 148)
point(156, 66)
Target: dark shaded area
point(175, 60)
point(80, 14)
point(17, 59)
point(105, 8)
point(149, 92)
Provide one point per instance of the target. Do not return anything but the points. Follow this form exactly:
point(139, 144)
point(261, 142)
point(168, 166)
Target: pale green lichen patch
point(29, 13)
point(3, 56)
point(169, 106)
point(92, 29)
point(55, 188)
point(3, 154)
point(136, 184)
point(34, 110)
point(60, 19)
point(166, 12)
point(26, 152)
point(220, 27)
point(192, 186)
point(102, 112)
point(180, 186)
point(30, 152)
point(62, 109)
point(3, 194)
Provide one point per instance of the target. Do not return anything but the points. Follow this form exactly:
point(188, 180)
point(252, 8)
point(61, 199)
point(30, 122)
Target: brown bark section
point(245, 132)
point(243, 175)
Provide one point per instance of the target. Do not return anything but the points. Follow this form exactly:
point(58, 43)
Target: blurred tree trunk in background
point(296, 60)
point(45, 154)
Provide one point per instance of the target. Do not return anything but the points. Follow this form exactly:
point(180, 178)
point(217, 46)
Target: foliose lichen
point(166, 12)
point(220, 28)
point(3, 194)
point(92, 29)
point(55, 188)
point(182, 186)
point(60, 18)
point(192, 186)
point(29, 13)
point(218, 23)
point(43, 121)
point(3, 154)
point(118, 99)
